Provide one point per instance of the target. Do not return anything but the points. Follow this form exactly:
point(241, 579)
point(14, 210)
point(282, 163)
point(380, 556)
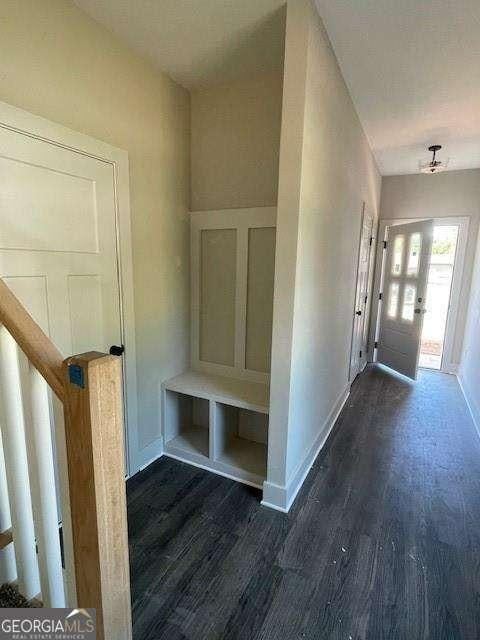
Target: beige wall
point(470, 365)
point(235, 138)
point(58, 63)
point(453, 193)
point(326, 172)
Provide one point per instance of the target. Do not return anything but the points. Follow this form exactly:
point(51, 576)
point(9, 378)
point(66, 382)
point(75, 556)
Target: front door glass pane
point(397, 256)
point(414, 254)
point(409, 302)
point(393, 300)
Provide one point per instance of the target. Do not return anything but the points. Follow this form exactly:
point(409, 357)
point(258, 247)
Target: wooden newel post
point(95, 451)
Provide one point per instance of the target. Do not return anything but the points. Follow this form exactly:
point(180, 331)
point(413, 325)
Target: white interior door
point(404, 290)
point(358, 355)
point(58, 241)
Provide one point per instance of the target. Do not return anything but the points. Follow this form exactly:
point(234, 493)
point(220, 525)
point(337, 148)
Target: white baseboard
point(147, 455)
point(281, 498)
point(471, 404)
point(275, 497)
point(451, 368)
point(271, 505)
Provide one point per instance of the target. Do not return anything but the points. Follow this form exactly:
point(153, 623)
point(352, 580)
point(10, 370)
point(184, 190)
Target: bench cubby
point(240, 438)
point(218, 423)
point(187, 423)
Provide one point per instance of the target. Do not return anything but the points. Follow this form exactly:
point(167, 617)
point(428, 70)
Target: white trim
point(28, 124)
point(241, 298)
point(230, 218)
point(452, 369)
point(149, 454)
point(230, 372)
point(275, 496)
point(281, 498)
point(352, 374)
point(451, 329)
point(216, 471)
point(472, 407)
point(455, 291)
point(242, 220)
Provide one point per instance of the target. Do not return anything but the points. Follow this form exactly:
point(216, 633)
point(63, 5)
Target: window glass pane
point(414, 254)
point(397, 256)
point(409, 302)
point(393, 299)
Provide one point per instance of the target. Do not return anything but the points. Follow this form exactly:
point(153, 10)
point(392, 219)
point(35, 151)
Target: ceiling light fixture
point(434, 165)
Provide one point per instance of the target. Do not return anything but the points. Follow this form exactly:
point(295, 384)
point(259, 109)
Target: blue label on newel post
point(75, 373)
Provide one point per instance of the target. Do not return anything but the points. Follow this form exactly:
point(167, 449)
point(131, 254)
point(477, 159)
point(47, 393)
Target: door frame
point(28, 124)
point(368, 303)
point(448, 365)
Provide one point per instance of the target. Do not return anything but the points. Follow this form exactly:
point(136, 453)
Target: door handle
point(418, 310)
point(117, 350)
point(358, 313)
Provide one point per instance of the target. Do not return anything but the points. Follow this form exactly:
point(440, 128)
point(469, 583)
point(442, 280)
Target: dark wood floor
point(382, 543)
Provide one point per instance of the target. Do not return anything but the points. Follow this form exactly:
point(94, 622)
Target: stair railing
point(63, 518)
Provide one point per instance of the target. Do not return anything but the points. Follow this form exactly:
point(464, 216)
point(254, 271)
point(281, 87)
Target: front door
point(404, 289)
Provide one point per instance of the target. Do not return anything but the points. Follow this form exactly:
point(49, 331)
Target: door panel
point(42, 196)
point(405, 277)
point(58, 244)
point(58, 240)
point(360, 329)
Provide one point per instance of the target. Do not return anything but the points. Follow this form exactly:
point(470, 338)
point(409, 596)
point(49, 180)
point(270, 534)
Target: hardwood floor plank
point(382, 543)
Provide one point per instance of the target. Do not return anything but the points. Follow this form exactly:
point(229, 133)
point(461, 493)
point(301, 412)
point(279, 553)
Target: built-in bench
point(218, 423)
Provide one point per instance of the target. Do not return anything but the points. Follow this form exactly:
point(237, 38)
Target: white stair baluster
point(66, 516)
point(42, 482)
point(16, 465)
point(8, 570)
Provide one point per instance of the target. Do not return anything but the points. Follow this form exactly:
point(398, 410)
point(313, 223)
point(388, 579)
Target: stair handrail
point(34, 343)
point(90, 388)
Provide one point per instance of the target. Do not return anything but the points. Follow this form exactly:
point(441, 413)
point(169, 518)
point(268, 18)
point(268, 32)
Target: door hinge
point(384, 244)
point(361, 353)
point(380, 296)
point(366, 297)
point(371, 240)
point(375, 346)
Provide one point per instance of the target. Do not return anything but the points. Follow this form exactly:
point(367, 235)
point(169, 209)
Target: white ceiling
point(199, 42)
point(412, 66)
point(413, 70)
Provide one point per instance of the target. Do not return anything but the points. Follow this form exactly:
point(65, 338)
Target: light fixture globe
point(434, 165)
